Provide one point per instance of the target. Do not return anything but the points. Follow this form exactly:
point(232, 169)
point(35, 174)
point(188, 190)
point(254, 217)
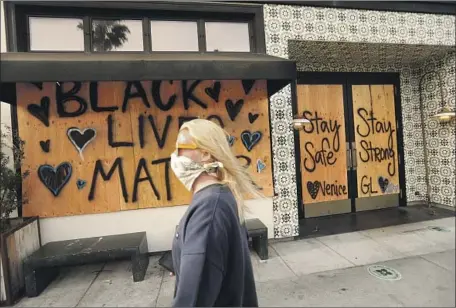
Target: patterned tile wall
point(293, 23)
point(440, 138)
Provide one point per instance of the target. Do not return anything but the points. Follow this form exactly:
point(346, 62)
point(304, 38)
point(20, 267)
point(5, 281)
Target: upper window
point(174, 35)
point(117, 35)
point(55, 34)
point(227, 36)
point(142, 31)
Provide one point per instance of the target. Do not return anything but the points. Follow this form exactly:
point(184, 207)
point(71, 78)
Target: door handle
point(354, 157)
point(349, 157)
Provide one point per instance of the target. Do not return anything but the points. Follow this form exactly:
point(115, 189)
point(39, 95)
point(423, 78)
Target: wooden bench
point(41, 267)
point(258, 232)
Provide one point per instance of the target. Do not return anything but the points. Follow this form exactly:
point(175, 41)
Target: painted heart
point(253, 117)
point(231, 140)
point(313, 188)
point(250, 139)
point(55, 178)
point(260, 165)
point(81, 139)
point(81, 184)
point(383, 183)
point(45, 145)
point(214, 92)
point(41, 111)
point(233, 109)
point(247, 85)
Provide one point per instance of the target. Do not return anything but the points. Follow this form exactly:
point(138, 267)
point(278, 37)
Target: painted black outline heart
point(41, 111)
point(313, 188)
point(383, 183)
point(247, 85)
point(253, 117)
point(233, 109)
point(214, 91)
point(45, 145)
point(74, 134)
point(250, 139)
point(57, 177)
point(81, 183)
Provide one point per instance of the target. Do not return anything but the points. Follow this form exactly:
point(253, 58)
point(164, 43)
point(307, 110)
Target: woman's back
point(211, 255)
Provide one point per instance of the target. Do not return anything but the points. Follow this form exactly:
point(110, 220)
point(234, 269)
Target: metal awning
point(45, 67)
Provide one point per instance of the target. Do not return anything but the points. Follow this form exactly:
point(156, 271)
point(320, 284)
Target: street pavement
point(410, 265)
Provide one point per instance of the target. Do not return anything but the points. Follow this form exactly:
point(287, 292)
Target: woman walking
point(210, 250)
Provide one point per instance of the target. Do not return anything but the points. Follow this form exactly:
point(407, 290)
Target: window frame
point(19, 34)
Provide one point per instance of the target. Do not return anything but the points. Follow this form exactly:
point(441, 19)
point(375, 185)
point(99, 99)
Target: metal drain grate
point(384, 272)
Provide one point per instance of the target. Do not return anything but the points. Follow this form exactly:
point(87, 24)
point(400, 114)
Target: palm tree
point(107, 34)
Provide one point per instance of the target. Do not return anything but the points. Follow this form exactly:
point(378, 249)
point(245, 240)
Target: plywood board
point(128, 130)
point(323, 143)
point(376, 140)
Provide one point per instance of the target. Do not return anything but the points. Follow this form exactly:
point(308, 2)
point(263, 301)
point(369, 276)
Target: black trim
point(432, 7)
point(149, 10)
point(347, 80)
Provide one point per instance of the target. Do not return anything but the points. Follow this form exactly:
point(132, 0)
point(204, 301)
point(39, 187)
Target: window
point(174, 35)
point(56, 34)
point(117, 35)
point(227, 36)
point(137, 26)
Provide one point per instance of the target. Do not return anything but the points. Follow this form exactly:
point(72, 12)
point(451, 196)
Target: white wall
point(159, 223)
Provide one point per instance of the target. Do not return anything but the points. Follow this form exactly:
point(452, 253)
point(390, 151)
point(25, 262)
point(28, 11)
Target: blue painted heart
point(55, 178)
point(250, 139)
point(260, 165)
point(231, 140)
point(81, 184)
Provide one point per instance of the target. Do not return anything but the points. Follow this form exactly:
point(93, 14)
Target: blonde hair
point(210, 137)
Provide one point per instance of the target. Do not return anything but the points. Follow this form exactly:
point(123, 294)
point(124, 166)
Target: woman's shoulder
point(216, 198)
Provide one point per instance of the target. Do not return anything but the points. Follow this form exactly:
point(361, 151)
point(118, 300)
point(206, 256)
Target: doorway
point(349, 158)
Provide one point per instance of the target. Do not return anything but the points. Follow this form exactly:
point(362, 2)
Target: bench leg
point(260, 245)
point(139, 266)
point(36, 280)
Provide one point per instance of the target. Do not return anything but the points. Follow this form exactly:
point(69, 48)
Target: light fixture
point(444, 115)
point(298, 123)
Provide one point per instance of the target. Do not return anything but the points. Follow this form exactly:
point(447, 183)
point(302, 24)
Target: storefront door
point(349, 159)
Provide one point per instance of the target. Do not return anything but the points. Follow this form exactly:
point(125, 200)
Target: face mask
point(187, 170)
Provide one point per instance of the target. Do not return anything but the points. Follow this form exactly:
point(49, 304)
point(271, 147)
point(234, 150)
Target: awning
point(45, 67)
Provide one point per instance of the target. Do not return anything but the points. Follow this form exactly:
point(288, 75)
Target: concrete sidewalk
point(325, 271)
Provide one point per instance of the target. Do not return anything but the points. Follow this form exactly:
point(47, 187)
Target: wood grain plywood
point(323, 143)
point(376, 140)
point(124, 165)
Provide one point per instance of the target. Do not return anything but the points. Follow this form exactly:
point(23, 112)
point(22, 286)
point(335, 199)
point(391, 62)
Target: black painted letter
point(64, 97)
point(142, 165)
point(94, 100)
point(111, 141)
point(99, 169)
point(128, 94)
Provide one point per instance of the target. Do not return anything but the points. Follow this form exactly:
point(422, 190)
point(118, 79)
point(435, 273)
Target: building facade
point(368, 81)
